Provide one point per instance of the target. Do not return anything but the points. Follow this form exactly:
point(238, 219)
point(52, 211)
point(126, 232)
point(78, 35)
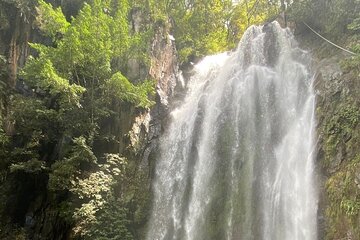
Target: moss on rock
point(338, 112)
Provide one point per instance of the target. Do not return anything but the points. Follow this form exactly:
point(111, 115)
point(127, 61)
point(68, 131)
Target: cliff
point(337, 86)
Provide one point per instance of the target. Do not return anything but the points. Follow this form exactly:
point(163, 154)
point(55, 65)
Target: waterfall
point(236, 161)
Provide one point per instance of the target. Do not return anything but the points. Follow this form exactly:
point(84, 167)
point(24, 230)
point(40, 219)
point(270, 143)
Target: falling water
point(236, 161)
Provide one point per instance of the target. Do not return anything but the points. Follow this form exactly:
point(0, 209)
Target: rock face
point(165, 70)
point(338, 114)
point(164, 66)
point(148, 125)
point(15, 35)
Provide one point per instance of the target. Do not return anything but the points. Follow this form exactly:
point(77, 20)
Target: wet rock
point(338, 128)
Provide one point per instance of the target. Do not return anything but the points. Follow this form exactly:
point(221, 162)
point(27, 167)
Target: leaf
point(51, 20)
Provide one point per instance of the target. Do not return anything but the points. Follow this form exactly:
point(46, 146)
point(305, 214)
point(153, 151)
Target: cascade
point(236, 161)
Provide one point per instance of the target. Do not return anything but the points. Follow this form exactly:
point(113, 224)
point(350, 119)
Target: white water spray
point(237, 159)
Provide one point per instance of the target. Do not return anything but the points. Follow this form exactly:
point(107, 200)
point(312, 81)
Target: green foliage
point(95, 199)
point(248, 13)
point(344, 197)
point(12, 232)
point(25, 159)
point(31, 166)
point(3, 19)
point(41, 74)
point(95, 40)
point(206, 27)
point(340, 122)
point(343, 13)
point(118, 87)
point(25, 7)
point(93, 192)
point(344, 121)
point(200, 28)
point(355, 25)
point(33, 121)
point(119, 27)
point(51, 21)
point(339, 127)
point(138, 49)
point(351, 207)
point(111, 223)
point(329, 17)
point(81, 152)
point(352, 64)
point(71, 86)
point(64, 172)
point(87, 45)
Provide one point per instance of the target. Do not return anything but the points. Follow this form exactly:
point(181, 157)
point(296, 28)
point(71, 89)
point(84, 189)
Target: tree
point(73, 85)
point(200, 27)
point(247, 13)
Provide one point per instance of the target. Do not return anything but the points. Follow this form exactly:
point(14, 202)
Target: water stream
point(236, 162)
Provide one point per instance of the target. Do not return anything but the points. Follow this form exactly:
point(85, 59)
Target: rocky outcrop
point(17, 30)
point(165, 70)
point(164, 66)
point(338, 127)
